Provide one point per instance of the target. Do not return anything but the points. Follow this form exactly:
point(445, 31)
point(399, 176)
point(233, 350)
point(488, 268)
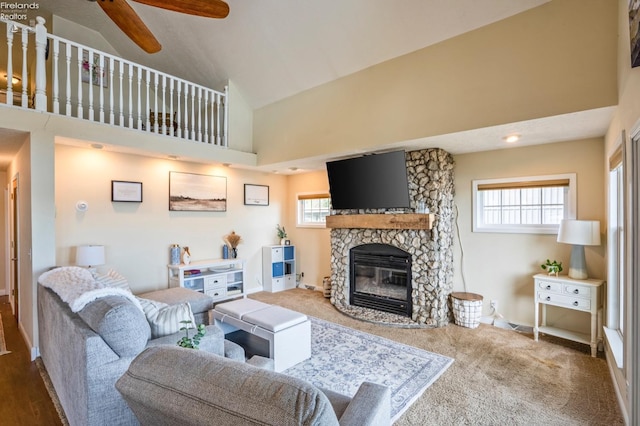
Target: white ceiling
point(273, 49)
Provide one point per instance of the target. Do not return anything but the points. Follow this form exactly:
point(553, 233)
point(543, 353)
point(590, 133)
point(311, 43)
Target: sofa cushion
point(199, 302)
point(119, 322)
point(166, 385)
point(166, 319)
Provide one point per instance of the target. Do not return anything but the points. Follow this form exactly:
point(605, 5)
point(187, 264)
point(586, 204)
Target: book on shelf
point(192, 272)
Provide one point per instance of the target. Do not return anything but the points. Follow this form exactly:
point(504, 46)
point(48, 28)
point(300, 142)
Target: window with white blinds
point(313, 209)
point(534, 204)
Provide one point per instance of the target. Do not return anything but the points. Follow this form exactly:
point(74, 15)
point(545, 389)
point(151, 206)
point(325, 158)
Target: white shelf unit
point(220, 279)
point(278, 268)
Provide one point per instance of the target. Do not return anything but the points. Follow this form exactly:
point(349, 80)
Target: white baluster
point(25, 77)
point(193, 112)
point(147, 81)
point(155, 102)
point(130, 96)
point(67, 54)
point(171, 125)
point(80, 109)
point(56, 76)
point(91, 76)
point(211, 119)
point(199, 114)
point(101, 76)
point(218, 125)
point(120, 95)
point(139, 79)
point(112, 114)
point(163, 117)
point(178, 111)
point(226, 116)
point(186, 111)
point(204, 115)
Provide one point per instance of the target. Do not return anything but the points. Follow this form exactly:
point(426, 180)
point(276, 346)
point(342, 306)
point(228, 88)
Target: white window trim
point(523, 229)
point(299, 223)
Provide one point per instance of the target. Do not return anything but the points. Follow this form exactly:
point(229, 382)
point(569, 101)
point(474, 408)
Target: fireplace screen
point(381, 278)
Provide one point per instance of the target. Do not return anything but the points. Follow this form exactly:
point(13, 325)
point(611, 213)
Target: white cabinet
point(565, 292)
point(219, 279)
point(278, 268)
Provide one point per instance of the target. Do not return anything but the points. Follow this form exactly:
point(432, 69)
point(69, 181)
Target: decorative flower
point(281, 232)
point(232, 239)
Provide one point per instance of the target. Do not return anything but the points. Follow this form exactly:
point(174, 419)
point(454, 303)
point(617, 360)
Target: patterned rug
point(3, 344)
point(342, 358)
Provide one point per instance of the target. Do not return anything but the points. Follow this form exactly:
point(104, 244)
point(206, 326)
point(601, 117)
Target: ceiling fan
point(130, 23)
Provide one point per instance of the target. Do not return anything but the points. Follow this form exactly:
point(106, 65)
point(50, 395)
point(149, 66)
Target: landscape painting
point(194, 192)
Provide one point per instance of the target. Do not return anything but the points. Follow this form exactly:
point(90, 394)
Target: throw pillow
point(165, 319)
point(112, 279)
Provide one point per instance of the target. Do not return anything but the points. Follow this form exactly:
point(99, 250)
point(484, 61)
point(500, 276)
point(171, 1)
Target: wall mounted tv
point(376, 181)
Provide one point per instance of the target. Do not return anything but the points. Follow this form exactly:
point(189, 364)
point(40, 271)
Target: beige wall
point(313, 245)
point(500, 266)
point(137, 236)
point(531, 65)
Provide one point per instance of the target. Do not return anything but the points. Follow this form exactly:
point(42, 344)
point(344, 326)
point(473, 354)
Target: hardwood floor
point(23, 397)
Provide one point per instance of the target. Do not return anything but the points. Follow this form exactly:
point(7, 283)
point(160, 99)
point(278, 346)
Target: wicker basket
point(467, 309)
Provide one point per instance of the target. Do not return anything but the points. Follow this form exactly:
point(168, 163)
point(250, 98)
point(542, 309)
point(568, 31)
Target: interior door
point(15, 262)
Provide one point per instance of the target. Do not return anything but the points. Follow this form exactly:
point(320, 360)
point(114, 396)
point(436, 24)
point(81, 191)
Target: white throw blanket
point(77, 287)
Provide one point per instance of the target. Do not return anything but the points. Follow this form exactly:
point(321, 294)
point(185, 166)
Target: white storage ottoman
point(287, 332)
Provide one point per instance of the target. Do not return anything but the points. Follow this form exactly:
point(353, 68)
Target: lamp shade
point(90, 255)
point(579, 232)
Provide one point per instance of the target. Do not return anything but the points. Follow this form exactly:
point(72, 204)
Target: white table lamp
point(90, 256)
point(579, 233)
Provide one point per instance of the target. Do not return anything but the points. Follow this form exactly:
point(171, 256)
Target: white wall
point(137, 236)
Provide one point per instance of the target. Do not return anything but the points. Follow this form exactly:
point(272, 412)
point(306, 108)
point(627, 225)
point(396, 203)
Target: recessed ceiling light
point(512, 138)
point(173, 157)
point(293, 169)
point(97, 145)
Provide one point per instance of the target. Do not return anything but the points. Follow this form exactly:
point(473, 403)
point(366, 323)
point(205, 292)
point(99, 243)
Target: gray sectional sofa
point(86, 352)
point(174, 386)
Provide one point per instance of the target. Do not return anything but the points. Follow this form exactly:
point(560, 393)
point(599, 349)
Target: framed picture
point(634, 33)
point(194, 192)
point(287, 242)
point(256, 195)
point(123, 191)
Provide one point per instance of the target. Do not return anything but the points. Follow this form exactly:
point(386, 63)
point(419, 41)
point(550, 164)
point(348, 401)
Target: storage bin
point(467, 309)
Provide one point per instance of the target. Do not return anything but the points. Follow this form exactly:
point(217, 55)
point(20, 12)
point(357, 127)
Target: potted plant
point(282, 234)
point(552, 268)
point(232, 240)
point(191, 342)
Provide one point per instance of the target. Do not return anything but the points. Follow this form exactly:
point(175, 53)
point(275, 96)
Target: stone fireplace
point(429, 249)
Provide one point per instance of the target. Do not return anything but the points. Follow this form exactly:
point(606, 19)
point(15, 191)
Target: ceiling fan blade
point(205, 8)
point(130, 23)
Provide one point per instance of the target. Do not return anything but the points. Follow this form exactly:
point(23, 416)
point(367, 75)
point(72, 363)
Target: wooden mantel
point(381, 221)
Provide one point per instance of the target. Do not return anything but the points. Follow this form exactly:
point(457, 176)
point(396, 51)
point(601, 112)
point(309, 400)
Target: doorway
point(14, 295)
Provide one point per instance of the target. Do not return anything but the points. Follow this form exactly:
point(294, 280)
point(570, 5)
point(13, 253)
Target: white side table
point(565, 292)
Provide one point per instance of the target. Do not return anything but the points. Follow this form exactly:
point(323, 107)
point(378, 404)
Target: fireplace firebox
point(380, 278)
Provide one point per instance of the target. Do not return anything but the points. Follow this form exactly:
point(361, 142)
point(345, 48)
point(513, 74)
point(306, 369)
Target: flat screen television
point(376, 181)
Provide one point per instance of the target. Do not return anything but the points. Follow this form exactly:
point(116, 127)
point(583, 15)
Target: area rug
point(342, 358)
point(3, 344)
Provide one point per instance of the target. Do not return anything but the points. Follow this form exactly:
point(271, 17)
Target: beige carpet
point(499, 377)
point(3, 344)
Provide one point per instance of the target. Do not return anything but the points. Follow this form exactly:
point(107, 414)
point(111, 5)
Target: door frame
point(13, 254)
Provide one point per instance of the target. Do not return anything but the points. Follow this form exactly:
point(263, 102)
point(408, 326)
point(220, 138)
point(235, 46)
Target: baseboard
point(3, 293)
point(35, 352)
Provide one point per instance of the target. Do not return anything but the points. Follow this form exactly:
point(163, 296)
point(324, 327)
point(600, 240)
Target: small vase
point(282, 241)
point(234, 253)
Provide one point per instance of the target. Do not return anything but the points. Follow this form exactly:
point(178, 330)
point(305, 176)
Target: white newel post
point(226, 116)
point(9, 100)
point(41, 73)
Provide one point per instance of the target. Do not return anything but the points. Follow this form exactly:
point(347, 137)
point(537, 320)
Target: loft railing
point(93, 85)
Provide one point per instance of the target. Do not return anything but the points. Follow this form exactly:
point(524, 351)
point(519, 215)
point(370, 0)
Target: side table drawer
point(549, 286)
point(217, 293)
point(565, 301)
point(215, 282)
point(576, 290)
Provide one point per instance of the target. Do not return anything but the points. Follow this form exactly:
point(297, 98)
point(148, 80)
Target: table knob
point(575, 303)
point(548, 298)
point(576, 291)
point(548, 287)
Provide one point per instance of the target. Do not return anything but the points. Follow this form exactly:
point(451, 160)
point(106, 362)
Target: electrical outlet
point(494, 305)
point(301, 274)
